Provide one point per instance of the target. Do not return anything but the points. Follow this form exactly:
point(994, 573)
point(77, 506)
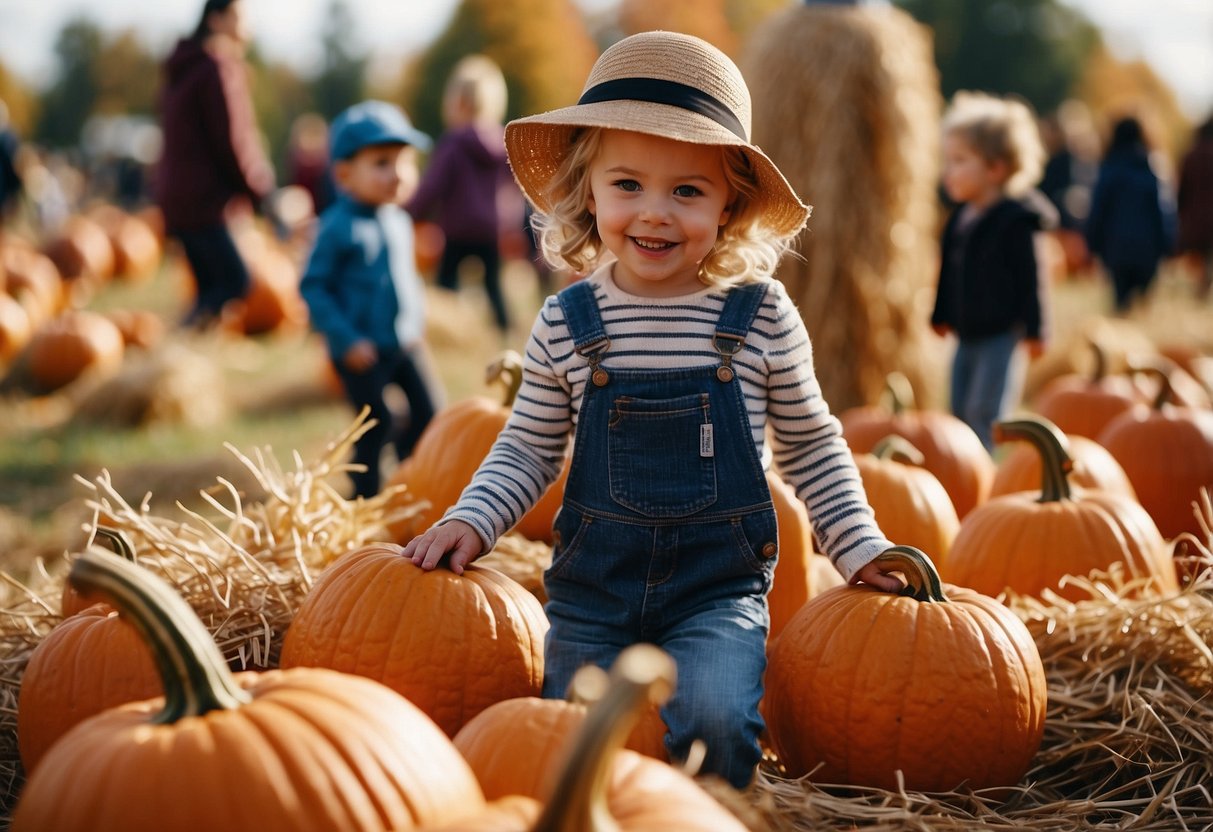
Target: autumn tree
point(702, 18)
point(341, 80)
point(1033, 48)
point(542, 47)
point(1112, 88)
point(127, 76)
point(19, 101)
point(69, 101)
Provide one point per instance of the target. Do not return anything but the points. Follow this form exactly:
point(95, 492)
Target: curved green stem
point(642, 673)
point(1053, 447)
point(899, 392)
point(898, 449)
point(118, 540)
point(507, 369)
point(922, 576)
point(195, 676)
point(1160, 367)
point(1100, 371)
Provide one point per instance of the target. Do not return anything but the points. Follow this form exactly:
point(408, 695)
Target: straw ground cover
point(1129, 738)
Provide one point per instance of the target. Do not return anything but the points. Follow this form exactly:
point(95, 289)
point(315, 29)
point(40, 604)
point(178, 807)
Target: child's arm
point(812, 456)
point(525, 459)
point(320, 287)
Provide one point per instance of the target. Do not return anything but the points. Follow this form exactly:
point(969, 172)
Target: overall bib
point(667, 535)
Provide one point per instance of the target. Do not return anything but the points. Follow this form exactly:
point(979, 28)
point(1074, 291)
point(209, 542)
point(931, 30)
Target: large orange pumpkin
point(1030, 540)
point(910, 504)
point(1167, 453)
point(603, 786)
point(944, 685)
point(452, 447)
point(950, 449)
point(452, 644)
point(301, 749)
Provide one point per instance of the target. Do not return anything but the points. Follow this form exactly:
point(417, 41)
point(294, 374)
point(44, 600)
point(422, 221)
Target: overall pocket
point(661, 455)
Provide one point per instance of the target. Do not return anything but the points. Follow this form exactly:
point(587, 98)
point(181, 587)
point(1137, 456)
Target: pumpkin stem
point(192, 670)
point(118, 540)
point(641, 674)
point(1160, 367)
point(922, 576)
point(507, 369)
point(898, 449)
point(899, 392)
point(1053, 447)
point(1100, 371)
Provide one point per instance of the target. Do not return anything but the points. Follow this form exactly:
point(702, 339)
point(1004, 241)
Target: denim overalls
point(667, 535)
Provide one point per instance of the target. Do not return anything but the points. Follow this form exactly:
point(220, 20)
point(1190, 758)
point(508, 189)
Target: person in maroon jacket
point(467, 187)
point(212, 154)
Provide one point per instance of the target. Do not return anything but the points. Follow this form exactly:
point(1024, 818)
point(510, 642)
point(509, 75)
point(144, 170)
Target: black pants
point(411, 371)
point(220, 274)
point(455, 253)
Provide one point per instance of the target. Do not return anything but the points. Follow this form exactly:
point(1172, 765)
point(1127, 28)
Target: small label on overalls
point(705, 441)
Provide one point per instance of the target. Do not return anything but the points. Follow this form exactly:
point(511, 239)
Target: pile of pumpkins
point(953, 691)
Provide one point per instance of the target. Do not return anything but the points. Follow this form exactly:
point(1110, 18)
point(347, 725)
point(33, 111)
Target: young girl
point(668, 364)
point(991, 292)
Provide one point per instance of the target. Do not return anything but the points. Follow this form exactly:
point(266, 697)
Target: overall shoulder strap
point(580, 309)
point(741, 306)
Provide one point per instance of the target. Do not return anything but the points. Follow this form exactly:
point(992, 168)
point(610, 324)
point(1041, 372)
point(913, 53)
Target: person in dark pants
point(1195, 203)
point(1131, 226)
point(467, 187)
point(361, 284)
point(212, 156)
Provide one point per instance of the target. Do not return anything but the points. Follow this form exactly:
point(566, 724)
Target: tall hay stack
point(847, 104)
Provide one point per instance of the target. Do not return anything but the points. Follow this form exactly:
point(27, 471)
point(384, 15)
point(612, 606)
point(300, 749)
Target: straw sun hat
point(664, 84)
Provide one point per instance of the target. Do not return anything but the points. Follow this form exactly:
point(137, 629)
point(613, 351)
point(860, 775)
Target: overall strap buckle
point(593, 353)
point(728, 345)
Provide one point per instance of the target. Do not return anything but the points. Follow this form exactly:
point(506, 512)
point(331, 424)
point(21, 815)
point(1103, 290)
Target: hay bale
point(171, 385)
point(847, 104)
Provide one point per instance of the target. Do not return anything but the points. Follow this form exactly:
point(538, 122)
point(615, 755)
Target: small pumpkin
point(451, 448)
point(603, 787)
point(950, 449)
point(940, 683)
point(1029, 541)
point(301, 749)
point(452, 644)
point(1082, 405)
point(1167, 453)
point(793, 581)
point(15, 329)
point(909, 502)
point(32, 279)
point(1093, 468)
point(75, 342)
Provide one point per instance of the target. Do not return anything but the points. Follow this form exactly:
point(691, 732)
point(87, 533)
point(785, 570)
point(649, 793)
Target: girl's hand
point(879, 576)
point(941, 330)
point(455, 538)
point(1036, 347)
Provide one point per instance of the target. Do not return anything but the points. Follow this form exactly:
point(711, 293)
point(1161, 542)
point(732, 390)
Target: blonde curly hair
point(746, 251)
point(1000, 129)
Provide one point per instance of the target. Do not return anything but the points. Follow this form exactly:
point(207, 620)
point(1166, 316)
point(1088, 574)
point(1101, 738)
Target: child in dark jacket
point(992, 291)
point(361, 283)
point(467, 187)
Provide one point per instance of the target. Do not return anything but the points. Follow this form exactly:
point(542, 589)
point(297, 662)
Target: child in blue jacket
point(361, 284)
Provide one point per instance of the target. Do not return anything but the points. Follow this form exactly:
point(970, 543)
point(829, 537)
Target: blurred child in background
point(992, 290)
point(361, 283)
point(467, 188)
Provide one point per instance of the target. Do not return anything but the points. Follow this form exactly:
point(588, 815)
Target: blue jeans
point(981, 390)
point(667, 535)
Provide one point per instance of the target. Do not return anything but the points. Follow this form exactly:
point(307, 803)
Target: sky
point(1174, 36)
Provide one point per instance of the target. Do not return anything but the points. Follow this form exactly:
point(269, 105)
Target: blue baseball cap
point(372, 122)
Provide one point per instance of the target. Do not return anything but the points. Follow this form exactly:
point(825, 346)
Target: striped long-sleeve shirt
point(783, 399)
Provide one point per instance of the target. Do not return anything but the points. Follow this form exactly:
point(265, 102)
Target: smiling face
point(379, 174)
point(658, 205)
